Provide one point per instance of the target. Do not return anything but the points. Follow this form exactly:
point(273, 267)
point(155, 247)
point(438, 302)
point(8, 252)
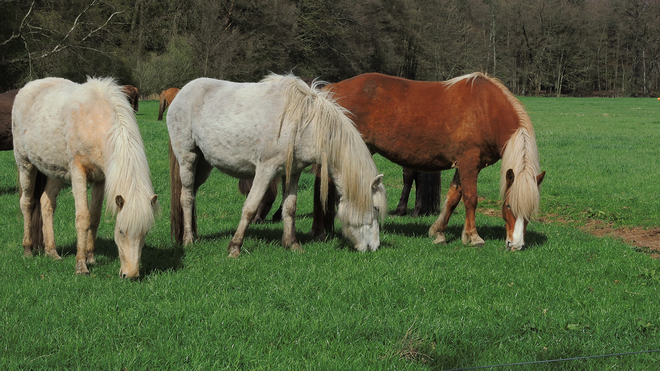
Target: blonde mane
point(127, 172)
point(520, 154)
point(341, 149)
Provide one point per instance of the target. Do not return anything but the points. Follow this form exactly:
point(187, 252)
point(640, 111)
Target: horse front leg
point(26, 178)
point(48, 206)
point(95, 209)
point(454, 195)
point(289, 214)
point(260, 184)
point(79, 190)
point(469, 177)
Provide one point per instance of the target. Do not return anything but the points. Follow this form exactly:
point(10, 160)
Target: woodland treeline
point(536, 47)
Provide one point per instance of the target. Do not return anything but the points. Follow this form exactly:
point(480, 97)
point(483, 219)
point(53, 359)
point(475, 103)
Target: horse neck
point(127, 171)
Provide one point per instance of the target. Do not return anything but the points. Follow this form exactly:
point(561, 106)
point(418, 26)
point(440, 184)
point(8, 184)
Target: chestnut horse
point(132, 94)
point(466, 123)
point(7, 144)
point(84, 133)
point(166, 98)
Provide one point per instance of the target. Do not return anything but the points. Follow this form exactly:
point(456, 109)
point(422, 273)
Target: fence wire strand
point(555, 360)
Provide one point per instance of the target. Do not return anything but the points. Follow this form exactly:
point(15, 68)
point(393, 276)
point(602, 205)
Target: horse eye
point(121, 232)
point(508, 206)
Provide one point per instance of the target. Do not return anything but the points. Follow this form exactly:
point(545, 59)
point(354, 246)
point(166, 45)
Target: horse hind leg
point(48, 206)
point(27, 176)
point(408, 178)
point(454, 195)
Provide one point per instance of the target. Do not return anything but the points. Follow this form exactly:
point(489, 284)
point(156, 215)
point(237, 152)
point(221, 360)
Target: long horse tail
point(429, 193)
point(176, 209)
point(162, 106)
point(37, 220)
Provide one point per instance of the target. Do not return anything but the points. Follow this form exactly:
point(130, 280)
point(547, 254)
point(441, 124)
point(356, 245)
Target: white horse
point(276, 127)
point(84, 134)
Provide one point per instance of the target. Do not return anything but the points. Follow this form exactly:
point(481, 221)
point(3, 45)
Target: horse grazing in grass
point(274, 128)
point(132, 94)
point(466, 123)
point(166, 98)
point(84, 133)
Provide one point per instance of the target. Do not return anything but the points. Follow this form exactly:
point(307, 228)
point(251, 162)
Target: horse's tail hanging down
point(163, 106)
point(176, 210)
point(429, 193)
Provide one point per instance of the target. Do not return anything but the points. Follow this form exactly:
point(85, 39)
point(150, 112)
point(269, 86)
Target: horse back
point(429, 125)
point(57, 120)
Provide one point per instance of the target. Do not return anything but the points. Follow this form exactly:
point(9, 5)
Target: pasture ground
point(410, 305)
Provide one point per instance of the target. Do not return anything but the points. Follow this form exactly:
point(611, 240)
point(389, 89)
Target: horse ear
point(539, 178)
point(154, 200)
point(509, 178)
point(119, 200)
point(378, 180)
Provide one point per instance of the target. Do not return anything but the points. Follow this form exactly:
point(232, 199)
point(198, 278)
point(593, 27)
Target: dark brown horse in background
point(166, 98)
point(132, 94)
point(7, 144)
point(466, 123)
point(427, 193)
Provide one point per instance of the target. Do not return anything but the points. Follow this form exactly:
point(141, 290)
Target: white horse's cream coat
point(80, 134)
point(274, 128)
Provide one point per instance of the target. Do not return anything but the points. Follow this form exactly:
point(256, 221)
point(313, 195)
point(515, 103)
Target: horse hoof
point(27, 252)
point(53, 254)
point(473, 240)
point(234, 251)
point(295, 247)
point(317, 236)
point(399, 212)
point(440, 239)
point(81, 268)
point(91, 260)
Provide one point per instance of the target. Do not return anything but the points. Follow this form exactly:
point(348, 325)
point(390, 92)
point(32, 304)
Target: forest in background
point(536, 47)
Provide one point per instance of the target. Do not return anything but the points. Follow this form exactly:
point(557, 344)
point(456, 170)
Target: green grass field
point(411, 305)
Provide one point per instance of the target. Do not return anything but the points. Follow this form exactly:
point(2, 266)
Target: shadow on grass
point(488, 233)
point(9, 191)
point(153, 259)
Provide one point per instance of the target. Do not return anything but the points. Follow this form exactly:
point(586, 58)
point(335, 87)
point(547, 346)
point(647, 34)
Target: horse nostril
point(123, 275)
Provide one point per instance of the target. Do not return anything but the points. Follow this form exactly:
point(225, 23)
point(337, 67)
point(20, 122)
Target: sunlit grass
point(410, 305)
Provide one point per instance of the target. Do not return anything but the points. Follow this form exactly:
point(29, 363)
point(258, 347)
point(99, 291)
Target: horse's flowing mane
point(127, 171)
point(339, 144)
point(520, 154)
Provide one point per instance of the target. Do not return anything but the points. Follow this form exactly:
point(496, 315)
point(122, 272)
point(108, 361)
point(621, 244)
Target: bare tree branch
point(20, 28)
point(61, 46)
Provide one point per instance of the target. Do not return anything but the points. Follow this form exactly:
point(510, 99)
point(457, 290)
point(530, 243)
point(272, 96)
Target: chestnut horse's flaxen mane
point(520, 153)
